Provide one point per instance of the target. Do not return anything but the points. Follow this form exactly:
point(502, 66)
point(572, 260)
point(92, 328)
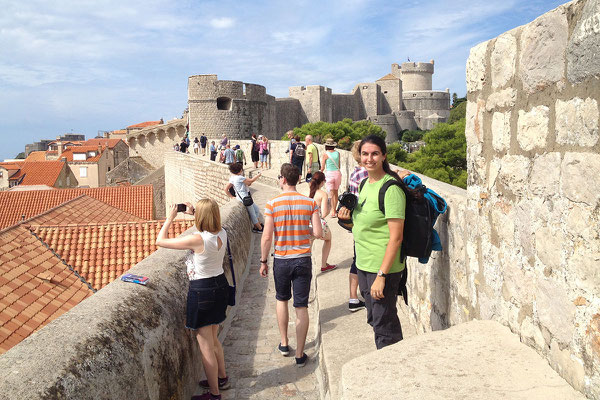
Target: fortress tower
point(414, 76)
point(235, 108)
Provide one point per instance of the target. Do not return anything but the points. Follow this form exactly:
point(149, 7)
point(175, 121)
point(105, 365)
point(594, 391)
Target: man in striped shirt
point(288, 217)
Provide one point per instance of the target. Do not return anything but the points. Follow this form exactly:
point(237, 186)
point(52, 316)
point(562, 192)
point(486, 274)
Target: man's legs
point(282, 320)
point(301, 329)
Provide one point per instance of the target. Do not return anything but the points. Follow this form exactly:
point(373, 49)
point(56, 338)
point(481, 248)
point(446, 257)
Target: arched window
point(224, 103)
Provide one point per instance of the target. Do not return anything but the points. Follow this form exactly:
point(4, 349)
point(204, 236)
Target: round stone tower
point(234, 108)
point(416, 76)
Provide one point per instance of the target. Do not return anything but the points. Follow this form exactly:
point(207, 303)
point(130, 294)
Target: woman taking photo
point(208, 291)
point(317, 182)
point(378, 238)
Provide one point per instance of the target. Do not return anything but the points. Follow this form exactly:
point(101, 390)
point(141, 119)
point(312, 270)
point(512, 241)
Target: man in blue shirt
point(229, 155)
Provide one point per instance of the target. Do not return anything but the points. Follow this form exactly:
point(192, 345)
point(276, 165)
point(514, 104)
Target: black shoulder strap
point(230, 262)
point(384, 188)
point(362, 183)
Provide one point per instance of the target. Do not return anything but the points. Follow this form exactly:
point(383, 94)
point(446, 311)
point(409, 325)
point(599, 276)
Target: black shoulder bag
point(246, 200)
point(231, 298)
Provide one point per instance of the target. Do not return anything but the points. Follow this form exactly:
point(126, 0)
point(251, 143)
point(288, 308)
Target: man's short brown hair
point(291, 173)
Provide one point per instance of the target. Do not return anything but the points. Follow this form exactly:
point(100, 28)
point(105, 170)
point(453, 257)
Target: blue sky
point(84, 66)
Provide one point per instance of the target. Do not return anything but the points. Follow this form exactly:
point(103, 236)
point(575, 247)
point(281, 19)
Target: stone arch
point(151, 138)
point(171, 133)
point(161, 135)
point(180, 131)
point(142, 140)
point(132, 142)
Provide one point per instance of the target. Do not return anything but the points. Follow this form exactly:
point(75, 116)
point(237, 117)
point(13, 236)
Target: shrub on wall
point(344, 132)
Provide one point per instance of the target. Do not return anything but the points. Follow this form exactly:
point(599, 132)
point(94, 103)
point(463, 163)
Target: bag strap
point(230, 262)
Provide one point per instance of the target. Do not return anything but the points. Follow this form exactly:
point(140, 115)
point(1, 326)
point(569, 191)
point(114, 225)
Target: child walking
point(208, 290)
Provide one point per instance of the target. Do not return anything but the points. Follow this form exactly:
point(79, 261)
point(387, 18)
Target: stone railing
point(126, 341)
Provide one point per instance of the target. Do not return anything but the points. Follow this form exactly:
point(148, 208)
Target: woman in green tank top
point(330, 164)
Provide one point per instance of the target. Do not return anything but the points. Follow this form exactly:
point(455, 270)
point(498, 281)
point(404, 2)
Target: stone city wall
point(153, 142)
point(533, 201)
point(344, 106)
point(127, 341)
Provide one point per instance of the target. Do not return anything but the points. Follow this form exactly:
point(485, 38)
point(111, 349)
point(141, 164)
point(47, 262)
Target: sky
point(83, 66)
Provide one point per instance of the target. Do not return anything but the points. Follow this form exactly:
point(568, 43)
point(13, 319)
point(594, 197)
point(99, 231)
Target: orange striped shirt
point(292, 213)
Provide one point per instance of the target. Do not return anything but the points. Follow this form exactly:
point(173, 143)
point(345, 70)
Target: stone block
point(501, 99)
point(518, 286)
point(503, 60)
point(577, 122)
point(476, 67)
point(583, 266)
point(501, 131)
point(531, 334)
point(548, 245)
point(494, 171)
point(545, 175)
point(543, 51)
point(514, 172)
point(567, 366)
point(532, 128)
point(580, 177)
point(583, 49)
point(555, 310)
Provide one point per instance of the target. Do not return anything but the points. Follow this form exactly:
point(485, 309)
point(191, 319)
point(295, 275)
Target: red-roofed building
point(36, 156)
point(22, 205)
point(118, 150)
point(143, 125)
point(51, 173)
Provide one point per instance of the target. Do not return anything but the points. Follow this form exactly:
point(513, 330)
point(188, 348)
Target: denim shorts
point(207, 302)
point(293, 273)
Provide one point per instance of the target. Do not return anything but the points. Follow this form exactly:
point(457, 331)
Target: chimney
point(59, 146)
point(99, 149)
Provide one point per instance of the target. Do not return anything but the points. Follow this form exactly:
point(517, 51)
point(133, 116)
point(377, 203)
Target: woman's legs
point(219, 354)
point(334, 201)
point(326, 249)
point(206, 340)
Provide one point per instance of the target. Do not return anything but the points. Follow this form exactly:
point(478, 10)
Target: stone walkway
point(256, 368)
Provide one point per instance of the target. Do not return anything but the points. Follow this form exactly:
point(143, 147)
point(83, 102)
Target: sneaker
point(224, 384)
point(300, 362)
point(356, 306)
point(207, 396)
point(284, 350)
point(256, 230)
point(328, 267)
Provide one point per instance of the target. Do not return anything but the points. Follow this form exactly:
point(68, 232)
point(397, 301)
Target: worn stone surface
point(532, 129)
point(545, 175)
point(579, 179)
point(501, 131)
point(466, 369)
point(549, 245)
point(476, 66)
point(577, 122)
point(503, 59)
point(543, 47)
point(514, 172)
point(555, 310)
point(501, 99)
point(583, 50)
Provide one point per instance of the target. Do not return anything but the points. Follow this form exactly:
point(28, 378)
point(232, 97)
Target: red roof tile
point(68, 153)
point(12, 165)
point(36, 156)
point(39, 172)
point(33, 293)
point(102, 252)
point(110, 143)
point(136, 200)
point(144, 124)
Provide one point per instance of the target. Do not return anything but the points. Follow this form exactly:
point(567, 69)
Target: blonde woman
point(264, 152)
point(208, 291)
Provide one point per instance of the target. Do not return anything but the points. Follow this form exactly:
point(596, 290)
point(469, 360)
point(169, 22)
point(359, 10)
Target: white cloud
point(222, 22)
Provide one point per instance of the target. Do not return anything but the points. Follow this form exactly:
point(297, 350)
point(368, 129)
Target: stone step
point(474, 360)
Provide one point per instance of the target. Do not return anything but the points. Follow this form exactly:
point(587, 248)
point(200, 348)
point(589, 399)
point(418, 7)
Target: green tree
point(344, 132)
point(396, 154)
point(412, 136)
point(458, 112)
point(20, 156)
point(444, 156)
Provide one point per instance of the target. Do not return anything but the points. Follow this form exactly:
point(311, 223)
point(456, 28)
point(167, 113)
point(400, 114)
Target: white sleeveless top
point(209, 263)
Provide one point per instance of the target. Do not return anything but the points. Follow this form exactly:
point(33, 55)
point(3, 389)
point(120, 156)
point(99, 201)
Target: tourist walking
point(208, 291)
point(264, 152)
point(320, 196)
point(356, 177)
point(312, 156)
point(224, 141)
point(254, 150)
point(298, 154)
point(213, 151)
point(378, 238)
point(240, 157)
point(203, 142)
point(183, 146)
point(229, 155)
point(238, 187)
point(196, 146)
point(287, 219)
point(330, 163)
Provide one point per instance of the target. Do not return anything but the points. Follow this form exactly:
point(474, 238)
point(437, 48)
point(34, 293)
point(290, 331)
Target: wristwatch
point(263, 261)
point(380, 273)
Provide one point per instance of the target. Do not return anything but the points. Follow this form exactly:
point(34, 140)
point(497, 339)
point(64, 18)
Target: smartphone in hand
point(181, 207)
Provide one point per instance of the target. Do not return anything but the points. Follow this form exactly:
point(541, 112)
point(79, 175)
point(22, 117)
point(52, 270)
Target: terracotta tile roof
point(136, 200)
point(12, 166)
point(68, 153)
point(119, 132)
point(82, 210)
point(36, 156)
point(35, 286)
point(110, 143)
point(388, 77)
point(144, 124)
point(39, 172)
point(102, 252)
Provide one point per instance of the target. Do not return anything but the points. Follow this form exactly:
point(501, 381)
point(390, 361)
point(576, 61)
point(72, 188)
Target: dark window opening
point(224, 103)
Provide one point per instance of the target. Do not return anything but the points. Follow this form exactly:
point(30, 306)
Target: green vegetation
point(412, 136)
point(458, 112)
point(344, 132)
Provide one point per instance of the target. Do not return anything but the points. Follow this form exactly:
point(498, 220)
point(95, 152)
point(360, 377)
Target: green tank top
point(333, 161)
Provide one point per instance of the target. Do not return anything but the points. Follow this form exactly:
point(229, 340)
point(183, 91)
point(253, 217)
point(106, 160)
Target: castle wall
point(534, 166)
point(153, 142)
point(388, 124)
point(235, 108)
point(288, 114)
point(368, 94)
point(345, 106)
point(391, 96)
point(416, 76)
point(406, 120)
point(315, 102)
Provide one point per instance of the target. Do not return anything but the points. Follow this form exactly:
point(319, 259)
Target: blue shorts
point(293, 273)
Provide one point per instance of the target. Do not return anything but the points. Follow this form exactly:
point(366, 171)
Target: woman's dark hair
point(380, 142)
point(254, 136)
point(317, 178)
point(235, 168)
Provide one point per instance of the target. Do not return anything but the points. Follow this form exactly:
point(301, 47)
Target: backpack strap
point(384, 188)
point(231, 262)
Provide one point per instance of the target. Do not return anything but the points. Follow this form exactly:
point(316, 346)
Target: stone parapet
point(533, 160)
point(127, 341)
